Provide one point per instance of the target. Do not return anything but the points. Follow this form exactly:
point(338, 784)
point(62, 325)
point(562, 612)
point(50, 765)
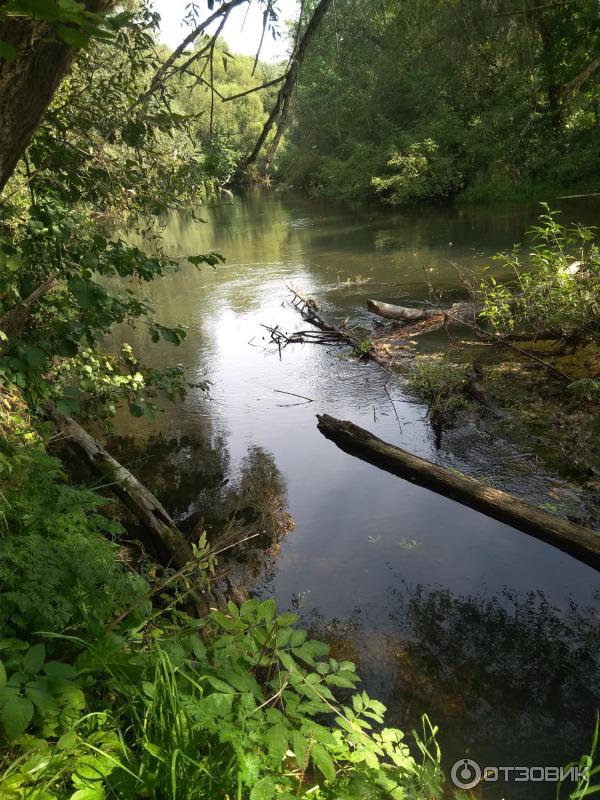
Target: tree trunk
point(28, 82)
point(287, 87)
point(171, 545)
point(580, 542)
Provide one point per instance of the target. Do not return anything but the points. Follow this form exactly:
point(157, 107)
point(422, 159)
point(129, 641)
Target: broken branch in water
point(580, 542)
point(310, 311)
point(292, 394)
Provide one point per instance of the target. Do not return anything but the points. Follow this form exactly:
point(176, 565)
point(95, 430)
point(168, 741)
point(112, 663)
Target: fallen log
point(408, 314)
point(582, 543)
point(311, 313)
point(170, 543)
point(403, 313)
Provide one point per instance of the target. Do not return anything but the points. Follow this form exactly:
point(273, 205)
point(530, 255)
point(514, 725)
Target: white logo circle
point(465, 773)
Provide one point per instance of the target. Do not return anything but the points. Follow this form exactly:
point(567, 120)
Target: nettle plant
point(555, 292)
point(239, 704)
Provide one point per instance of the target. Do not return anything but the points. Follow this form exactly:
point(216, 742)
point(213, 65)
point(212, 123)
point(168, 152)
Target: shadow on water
point(510, 679)
point(189, 478)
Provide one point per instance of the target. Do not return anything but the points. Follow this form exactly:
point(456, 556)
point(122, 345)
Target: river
point(491, 632)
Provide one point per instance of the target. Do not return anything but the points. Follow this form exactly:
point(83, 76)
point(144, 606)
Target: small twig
point(292, 394)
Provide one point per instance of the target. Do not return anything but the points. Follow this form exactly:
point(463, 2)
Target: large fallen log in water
point(170, 543)
point(401, 313)
point(582, 543)
point(309, 310)
point(408, 314)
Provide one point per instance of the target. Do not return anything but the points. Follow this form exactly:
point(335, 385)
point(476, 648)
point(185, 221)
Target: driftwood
point(582, 543)
point(401, 313)
point(407, 314)
point(311, 313)
point(172, 546)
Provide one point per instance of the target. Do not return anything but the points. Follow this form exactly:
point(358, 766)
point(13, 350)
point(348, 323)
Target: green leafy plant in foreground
point(585, 787)
point(239, 704)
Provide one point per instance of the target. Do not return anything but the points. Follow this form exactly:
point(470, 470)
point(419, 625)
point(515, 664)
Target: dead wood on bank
point(171, 545)
point(582, 543)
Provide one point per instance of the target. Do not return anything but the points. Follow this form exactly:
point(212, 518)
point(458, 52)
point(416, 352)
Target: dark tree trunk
point(279, 111)
point(29, 81)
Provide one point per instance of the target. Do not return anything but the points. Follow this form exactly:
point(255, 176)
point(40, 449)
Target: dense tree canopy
point(423, 100)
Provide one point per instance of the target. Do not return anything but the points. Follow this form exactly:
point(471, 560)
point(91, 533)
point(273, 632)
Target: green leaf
point(16, 716)
point(283, 620)
point(40, 695)
point(2, 675)
point(218, 705)
point(222, 620)
point(155, 751)
point(300, 747)
point(73, 37)
point(89, 793)
point(56, 669)
point(322, 760)
point(263, 789)
point(220, 685)
point(267, 610)
point(34, 658)
point(277, 741)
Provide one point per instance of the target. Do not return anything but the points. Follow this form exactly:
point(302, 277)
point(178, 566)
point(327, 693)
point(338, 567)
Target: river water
point(491, 632)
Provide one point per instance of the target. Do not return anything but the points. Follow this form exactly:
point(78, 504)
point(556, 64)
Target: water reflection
point(509, 677)
point(193, 479)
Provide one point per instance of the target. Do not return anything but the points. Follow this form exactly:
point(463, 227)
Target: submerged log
point(173, 547)
point(582, 543)
point(309, 310)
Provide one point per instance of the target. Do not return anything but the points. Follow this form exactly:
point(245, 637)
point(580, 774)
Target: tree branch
point(290, 78)
point(577, 82)
point(161, 72)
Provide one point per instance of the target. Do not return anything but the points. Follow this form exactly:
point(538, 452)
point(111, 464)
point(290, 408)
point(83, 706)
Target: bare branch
point(255, 89)
point(577, 82)
point(284, 94)
point(160, 73)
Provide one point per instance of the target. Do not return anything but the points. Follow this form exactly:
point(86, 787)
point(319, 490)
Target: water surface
point(491, 632)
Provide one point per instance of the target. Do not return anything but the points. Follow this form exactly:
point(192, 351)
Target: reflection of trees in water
point(188, 477)
point(510, 679)
point(524, 677)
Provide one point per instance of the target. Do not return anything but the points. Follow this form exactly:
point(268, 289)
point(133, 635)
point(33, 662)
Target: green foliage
point(36, 693)
point(421, 102)
point(587, 388)
point(248, 711)
point(362, 347)
point(69, 21)
point(441, 384)
point(58, 566)
point(420, 174)
point(555, 291)
point(585, 787)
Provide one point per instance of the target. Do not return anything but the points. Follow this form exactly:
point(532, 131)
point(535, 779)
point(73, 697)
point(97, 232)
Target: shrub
point(556, 292)
point(58, 569)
